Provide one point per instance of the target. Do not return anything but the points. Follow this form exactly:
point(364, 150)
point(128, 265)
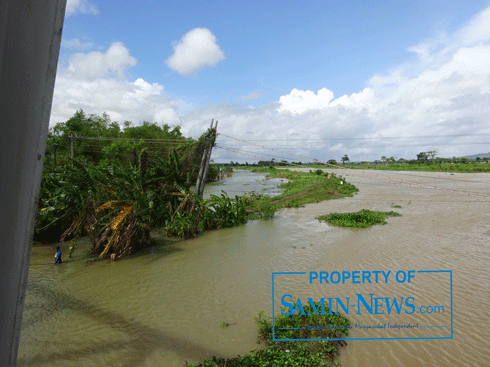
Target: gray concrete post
point(29, 49)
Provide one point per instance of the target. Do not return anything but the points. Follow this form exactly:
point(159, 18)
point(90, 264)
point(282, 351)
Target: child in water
point(57, 256)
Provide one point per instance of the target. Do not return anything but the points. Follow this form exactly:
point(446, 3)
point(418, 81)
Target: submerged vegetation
point(293, 353)
point(114, 184)
point(361, 219)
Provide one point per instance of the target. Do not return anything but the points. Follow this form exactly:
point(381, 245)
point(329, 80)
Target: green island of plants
point(302, 188)
point(293, 353)
point(361, 219)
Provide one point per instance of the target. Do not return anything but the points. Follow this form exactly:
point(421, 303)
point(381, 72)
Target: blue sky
point(259, 68)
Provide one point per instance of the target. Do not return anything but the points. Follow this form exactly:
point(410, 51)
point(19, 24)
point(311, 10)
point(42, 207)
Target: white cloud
point(88, 84)
point(299, 101)
point(254, 95)
point(76, 44)
point(97, 64)
point(196, 49)
point(80, 6)
point(476, 31)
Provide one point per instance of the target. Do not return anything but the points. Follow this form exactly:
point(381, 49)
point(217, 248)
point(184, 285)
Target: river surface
point(166, 306)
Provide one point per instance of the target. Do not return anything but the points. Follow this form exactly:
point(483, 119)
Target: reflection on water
point(246, 182)
point(166, 306)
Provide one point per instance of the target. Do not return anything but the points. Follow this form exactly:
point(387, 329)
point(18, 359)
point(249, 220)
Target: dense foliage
point(115, 184)
point(115, 187)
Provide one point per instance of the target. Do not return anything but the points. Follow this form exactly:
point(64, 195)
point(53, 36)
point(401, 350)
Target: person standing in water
point(57, 256)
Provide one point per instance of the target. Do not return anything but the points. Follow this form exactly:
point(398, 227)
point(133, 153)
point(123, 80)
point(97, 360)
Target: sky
point(315, 79)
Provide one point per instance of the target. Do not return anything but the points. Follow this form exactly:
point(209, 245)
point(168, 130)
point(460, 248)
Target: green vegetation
point(98, 141)
point(302, 188)
point(120, 183)
point(214, 213)
point(469, 167)
point(426, 161)
point(113, 185)
point(361, 219)
point(293, 353)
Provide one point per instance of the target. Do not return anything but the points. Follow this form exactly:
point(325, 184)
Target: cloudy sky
point(318, 79)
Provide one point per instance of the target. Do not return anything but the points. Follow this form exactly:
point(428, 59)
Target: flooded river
point(165, 307)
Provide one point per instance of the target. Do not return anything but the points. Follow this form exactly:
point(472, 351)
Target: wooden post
point(210, 144)
point(200, 176)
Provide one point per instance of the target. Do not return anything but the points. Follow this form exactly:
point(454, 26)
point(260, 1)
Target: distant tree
point(345, 158)
point(332, 161)
point(422, 156)
point(432, 154)
point(383, 159)
point(478, 159)
point(75, 123)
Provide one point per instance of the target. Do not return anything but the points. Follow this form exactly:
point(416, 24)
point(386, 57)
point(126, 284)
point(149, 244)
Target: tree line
point(115, 183)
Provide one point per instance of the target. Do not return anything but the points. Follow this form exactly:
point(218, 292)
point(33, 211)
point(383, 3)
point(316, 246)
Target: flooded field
point(165, 307)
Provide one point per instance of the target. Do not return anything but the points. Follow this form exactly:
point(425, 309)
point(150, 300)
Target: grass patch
point(361, 219)
point(432, 167)
point(302, 188)
point(295, 353)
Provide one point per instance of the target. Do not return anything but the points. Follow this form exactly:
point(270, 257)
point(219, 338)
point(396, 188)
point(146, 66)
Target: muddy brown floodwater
point(165, 307)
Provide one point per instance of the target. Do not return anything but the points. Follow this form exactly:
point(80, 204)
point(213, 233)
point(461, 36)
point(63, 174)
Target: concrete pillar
point(29, 47)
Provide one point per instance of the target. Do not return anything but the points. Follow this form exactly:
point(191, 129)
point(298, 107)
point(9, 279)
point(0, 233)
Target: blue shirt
point(57, 257)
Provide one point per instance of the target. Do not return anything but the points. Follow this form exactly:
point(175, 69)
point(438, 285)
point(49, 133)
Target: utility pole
point(206, 156)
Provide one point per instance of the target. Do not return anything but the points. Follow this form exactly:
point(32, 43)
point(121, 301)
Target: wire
point(249, 153)
point(166, 141)
point(377, 138)
point(383, 146)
